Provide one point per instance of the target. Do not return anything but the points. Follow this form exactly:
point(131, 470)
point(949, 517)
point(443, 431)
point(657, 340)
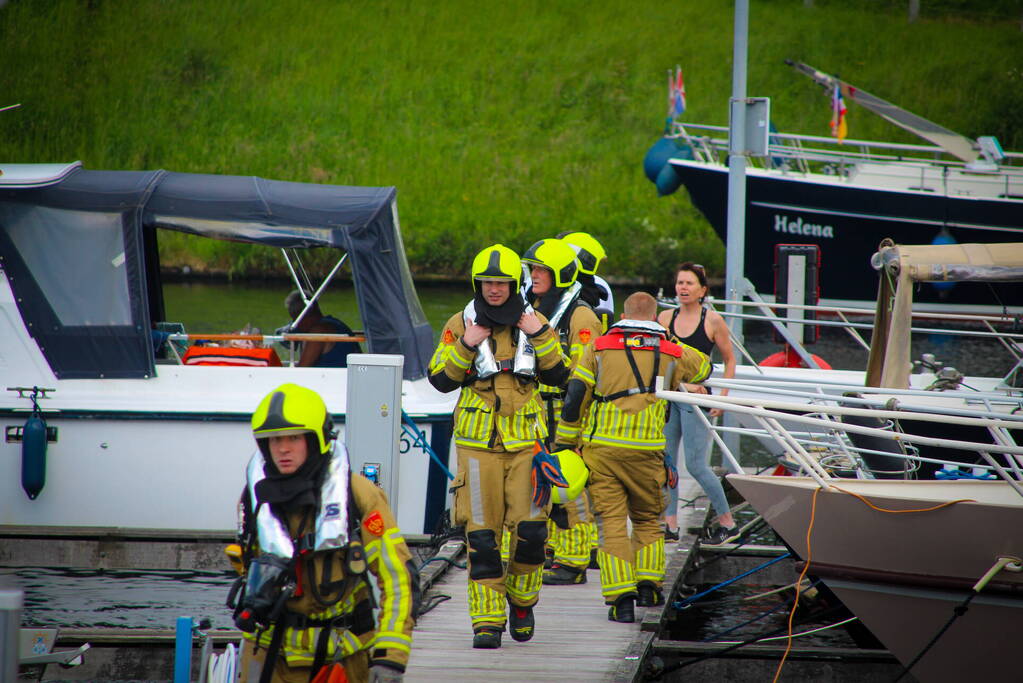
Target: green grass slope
point(496, 121)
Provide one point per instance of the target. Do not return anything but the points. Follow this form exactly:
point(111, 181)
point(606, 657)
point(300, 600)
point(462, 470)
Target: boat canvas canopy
point(901, 266)
point(73, 252)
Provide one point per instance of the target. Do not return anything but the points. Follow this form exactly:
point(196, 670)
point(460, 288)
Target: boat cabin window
point(61, 272)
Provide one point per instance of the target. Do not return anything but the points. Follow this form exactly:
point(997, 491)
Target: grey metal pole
point(10, 625)
point(735, 244)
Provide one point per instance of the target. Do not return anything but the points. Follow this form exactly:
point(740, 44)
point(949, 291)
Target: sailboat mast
point(955, 144)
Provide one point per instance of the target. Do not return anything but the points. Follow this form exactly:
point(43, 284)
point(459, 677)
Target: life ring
point(790, 359)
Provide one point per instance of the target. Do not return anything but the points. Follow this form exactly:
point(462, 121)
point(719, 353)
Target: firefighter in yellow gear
point(555, 291)
point(313, 535)
point(496, 352)
point(579, 540)
point(611, 411)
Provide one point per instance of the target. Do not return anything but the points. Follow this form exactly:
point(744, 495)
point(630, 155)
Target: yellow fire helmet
point(588, 250)
point(557, 256)
point(291, 409)
point(497, 262)
point(575, 471)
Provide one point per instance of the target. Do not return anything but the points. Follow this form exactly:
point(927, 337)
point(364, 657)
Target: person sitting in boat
point(692, 324)
point(316, 354)
point(313, 536)
point(554, 268)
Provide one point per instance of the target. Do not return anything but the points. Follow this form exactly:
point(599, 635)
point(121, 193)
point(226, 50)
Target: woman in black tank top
point(703, 329)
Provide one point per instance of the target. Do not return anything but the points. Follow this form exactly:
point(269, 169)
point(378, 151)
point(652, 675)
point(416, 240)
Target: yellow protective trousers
point(493, 490)
point(627, 485)
point(572, 545)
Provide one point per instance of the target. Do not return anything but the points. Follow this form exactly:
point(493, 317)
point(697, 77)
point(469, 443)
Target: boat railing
point(793, 148)
point(983, 404)
point(854, 319)
point(805, 432)
point(288, 339)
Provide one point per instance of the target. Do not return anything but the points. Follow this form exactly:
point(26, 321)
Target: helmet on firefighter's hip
point(292, 409)
point(558, 257)
point(588, 250)
point(575, 472)
point(497, 262)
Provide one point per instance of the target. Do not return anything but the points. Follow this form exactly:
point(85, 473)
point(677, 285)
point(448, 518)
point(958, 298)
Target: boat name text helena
point(798, 227)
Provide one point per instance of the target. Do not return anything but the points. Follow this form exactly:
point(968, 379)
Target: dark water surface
point(86, 598)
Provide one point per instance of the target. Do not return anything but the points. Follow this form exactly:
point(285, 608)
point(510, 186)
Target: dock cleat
point(487, 638)
point(649, 595)
point(521, 623)
point(563, 575)
point(624, 609)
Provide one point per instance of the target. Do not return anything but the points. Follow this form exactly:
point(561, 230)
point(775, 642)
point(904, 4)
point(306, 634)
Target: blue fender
point(33, 456)
point(667, 181)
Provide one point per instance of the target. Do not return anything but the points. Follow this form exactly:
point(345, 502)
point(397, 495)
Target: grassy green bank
point(496, 121)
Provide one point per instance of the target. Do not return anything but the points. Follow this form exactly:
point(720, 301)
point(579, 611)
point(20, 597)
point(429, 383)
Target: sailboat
point(845, 197)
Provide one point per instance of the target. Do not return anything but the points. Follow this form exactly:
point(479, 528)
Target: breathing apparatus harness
point(561, 320)
point(630, 335)
point(275, 575)
point(485, 365)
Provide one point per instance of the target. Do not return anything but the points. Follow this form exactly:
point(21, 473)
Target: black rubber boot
point(593, 560)
point(487, 638)
point(624, 609)
point(649, 595)
point(562, 575)
point(521, 623)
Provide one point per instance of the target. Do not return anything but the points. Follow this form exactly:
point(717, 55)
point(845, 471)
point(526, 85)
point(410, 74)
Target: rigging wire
point(819, 629)
point(809, 618)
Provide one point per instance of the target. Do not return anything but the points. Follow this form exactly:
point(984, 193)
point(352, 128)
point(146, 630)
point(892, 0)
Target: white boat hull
point(168, 452)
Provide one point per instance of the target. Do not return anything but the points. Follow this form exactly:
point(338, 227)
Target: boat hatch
point(80, 255)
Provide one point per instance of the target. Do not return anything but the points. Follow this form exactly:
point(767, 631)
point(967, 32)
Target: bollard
point(183, 650)
point(10, 623)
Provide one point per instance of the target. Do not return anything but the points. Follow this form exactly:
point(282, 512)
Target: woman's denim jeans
point(686, 426)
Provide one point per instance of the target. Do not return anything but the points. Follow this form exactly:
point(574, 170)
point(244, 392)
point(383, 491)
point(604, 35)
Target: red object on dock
point(790, 359)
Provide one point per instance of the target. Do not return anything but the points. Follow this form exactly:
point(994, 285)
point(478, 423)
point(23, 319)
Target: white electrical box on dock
point(373, 418)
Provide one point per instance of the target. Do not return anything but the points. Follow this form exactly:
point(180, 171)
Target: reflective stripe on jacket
point(634, 421)
point(501, 412)
point(389, 565)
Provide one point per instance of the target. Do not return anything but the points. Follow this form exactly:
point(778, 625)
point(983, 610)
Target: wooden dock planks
point(574, 641)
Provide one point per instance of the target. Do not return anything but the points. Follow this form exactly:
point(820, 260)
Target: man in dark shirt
point(319, 354)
